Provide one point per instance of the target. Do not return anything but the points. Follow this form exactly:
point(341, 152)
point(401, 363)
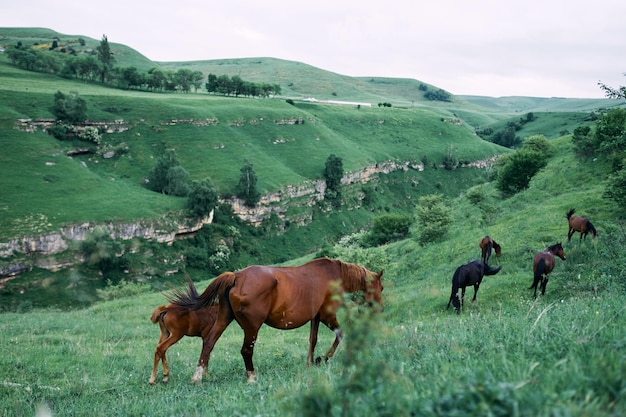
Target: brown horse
point(175, 322)
point(486, 244)
point(543, 264)
point(284, 298)
point(579, 224)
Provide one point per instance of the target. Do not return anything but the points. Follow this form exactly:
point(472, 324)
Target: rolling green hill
point(44, 189)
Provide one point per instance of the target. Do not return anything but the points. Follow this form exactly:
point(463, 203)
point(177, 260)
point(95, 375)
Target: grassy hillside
point(213, 140)
point(504, 355)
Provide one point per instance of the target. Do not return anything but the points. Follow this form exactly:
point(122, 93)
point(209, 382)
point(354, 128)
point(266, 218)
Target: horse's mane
point(552, 247)
point(354, 277)
point(569, 213)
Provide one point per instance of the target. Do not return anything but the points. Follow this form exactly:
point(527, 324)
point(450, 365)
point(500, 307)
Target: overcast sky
point(539, 48)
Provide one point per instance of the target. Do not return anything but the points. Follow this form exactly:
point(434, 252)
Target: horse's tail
point(489, 246)
point(216, 290)
point(454, 297)
point(592, 229)
point(570, 213)
point(157, 313)
point(492, 271)
point(541, 266)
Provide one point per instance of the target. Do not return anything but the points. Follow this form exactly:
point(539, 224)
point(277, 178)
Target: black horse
point(471, 273)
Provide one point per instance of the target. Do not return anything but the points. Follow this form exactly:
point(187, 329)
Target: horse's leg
point(224, 318)
point(315, 324)
point(570, 232)
point(544, 283)
point(157, 355)
point(535, 283)
point(475, 292)
point(462, 296)
point(334, 326)
point(162, 348)
point(247, 350)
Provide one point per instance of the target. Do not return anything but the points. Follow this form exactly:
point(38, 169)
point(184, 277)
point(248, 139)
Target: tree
point(434, 218)
point(202, 198)
point(610, 92)
point(333, 172)
point(168, 177)
point(71, 109)
point(106, 58)
point(246, 188)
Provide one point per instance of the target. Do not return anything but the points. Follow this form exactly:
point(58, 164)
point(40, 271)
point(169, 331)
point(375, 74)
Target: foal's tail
point(592, 229)
point(157, 313)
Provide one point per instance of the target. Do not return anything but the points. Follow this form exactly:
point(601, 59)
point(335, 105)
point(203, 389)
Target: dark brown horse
point(471, 273)
point(284, 298)
point(579, 224)
point(543, 264)
point(175, 322)
point(486, 245)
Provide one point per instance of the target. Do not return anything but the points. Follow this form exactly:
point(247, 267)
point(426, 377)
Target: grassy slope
point(562, 354)
point(281, 154)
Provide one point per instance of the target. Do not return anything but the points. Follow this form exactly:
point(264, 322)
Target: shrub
point(518, 170)
point(122, 289)
point(202, 198)
point(388, 228)
point(434, 218)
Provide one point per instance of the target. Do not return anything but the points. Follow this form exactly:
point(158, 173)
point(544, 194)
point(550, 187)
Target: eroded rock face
point(278, 203)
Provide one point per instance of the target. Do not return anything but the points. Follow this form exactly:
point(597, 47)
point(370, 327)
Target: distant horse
point(175, 322)
point(579, 224)
point(284, 298)
point(486, 244)
point(471, 273)
point(543, 264)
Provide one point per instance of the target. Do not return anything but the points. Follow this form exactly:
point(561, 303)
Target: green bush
point(434, 218)
point(388, 228)
point(518, 170)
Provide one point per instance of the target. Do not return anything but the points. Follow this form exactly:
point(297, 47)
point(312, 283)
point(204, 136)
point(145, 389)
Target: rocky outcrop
point(36, 248)
point(307, 194)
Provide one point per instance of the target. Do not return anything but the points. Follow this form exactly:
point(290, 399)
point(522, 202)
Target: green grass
point(506, 354)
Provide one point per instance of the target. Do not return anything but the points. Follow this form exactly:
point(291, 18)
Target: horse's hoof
point(152, 382)
point(318, 360)
point(251, 377)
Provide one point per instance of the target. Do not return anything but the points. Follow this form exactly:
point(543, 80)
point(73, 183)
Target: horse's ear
point(380, 274)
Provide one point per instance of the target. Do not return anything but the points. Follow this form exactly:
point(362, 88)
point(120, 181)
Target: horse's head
point(558, 250)
point(498, 249)
point(375, 287)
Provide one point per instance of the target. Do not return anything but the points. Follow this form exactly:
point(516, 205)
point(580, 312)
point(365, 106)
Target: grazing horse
point(284, 298)
point(543, 264)
point(486, 244)
point(579, 224)
point(471, 273)
point(175, 322)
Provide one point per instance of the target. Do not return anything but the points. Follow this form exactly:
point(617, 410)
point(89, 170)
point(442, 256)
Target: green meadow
point(74, 344)
point(506, 354)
